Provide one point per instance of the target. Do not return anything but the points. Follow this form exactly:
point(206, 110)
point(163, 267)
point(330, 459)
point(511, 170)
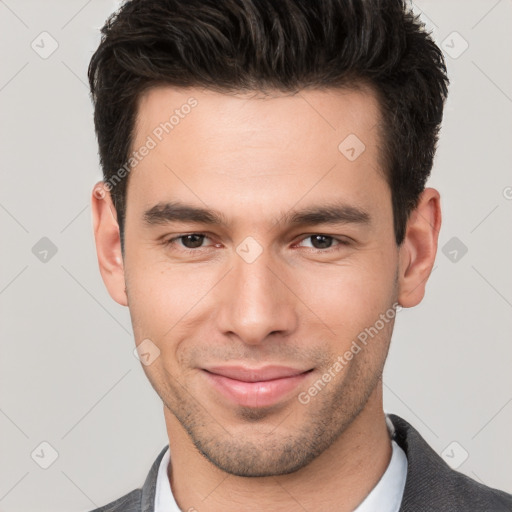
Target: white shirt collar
point(386, 496)
point(164, 500)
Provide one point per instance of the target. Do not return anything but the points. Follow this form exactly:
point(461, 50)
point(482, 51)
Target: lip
point(255, 387)
point(247, 374)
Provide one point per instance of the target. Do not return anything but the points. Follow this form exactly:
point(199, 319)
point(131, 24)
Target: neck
point(338, 479)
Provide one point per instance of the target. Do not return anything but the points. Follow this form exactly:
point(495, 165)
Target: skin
point(254, 159)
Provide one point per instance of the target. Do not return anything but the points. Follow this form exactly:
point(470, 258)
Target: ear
point(418, 250)
point(108, 243)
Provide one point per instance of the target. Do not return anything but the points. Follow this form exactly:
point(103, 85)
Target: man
point(263, 215)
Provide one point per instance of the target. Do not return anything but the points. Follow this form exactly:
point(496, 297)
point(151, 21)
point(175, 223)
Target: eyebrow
point(168, 212)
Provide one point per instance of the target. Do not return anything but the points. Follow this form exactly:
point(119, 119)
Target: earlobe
point(108, 243)
point(418, 250)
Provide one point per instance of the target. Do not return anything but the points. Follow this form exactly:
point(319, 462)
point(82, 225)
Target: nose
point(255, 301)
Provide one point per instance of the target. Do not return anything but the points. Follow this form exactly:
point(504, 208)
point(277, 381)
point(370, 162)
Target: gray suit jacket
point(431, 485)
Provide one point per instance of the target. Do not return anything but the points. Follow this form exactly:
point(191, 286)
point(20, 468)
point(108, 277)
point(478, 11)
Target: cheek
point(350, 297)
point(160, 297)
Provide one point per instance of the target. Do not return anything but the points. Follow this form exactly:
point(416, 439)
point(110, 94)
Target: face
point(255, 241)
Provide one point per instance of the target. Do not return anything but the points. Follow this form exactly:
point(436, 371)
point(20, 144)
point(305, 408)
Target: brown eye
point(321, 241)
point(188, 242)
point(192, 241)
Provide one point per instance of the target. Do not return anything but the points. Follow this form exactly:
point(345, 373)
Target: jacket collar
point(149, 487)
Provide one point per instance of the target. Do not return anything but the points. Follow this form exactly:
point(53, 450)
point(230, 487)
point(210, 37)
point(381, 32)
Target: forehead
point(228, 148)
point(210, 114)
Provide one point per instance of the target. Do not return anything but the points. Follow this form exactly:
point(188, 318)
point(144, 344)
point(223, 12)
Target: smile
point(255, 387)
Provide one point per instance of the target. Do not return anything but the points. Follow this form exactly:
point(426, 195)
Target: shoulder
point(432, 485)
point(138, 500)
point(128, 503)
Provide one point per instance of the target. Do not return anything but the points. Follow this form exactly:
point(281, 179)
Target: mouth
point(255, 387)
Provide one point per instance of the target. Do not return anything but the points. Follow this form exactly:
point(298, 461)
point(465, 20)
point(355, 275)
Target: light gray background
point(68, 375)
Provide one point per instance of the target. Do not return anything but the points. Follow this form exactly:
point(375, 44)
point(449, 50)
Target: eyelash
point(341, 243)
